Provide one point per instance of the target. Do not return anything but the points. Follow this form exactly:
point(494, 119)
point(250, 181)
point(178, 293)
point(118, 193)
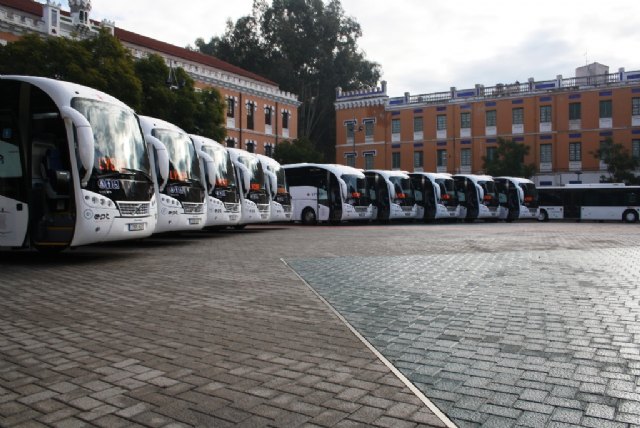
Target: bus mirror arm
point(86, 144)
point(244, 173)
point(162, 157)
point(343, 186)
point(209, 168)
point(273, 181)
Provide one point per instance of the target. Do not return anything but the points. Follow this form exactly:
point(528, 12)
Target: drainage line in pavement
point(381, 357)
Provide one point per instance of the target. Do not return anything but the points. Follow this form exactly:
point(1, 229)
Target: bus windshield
point(356, 189)
point(119, 145)
point(447, 189)
point(489, 188)
point(223, 167)
point(255, 169)
point(282, 180)
point(183, 161)
point(402, 188)
point(530, 193)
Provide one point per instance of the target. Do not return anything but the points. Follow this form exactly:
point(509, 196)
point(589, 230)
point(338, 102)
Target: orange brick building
point(563, 121)
point(259, 114)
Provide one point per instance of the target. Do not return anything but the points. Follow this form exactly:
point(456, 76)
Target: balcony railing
point(518, 89)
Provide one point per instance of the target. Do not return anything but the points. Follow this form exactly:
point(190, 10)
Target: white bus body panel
point(173, 218)
point(605, 213)
point(219, 214)
point(397, 213)
point(350, 212)
point(304, 197)
point(13, 223)
point(278, 213)
point(99, 219)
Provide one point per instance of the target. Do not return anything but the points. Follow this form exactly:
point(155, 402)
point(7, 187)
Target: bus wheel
point(630, 216)
point(543, 216)
point(308, 216)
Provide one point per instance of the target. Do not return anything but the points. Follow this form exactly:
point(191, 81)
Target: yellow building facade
point(562, 121)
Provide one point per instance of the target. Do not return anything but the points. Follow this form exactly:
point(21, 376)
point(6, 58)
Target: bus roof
point(199, 139)
point(62, 92)
point(389, 173)
point(148, 123)
point(434, 175)
point(475, 177)
point(269, 161)
point(336, 169)
point(518, 180)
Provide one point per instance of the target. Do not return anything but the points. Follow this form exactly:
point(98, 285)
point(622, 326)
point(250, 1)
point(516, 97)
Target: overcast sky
point(430, 45)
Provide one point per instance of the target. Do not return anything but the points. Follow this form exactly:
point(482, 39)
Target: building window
point(441, 158)
point(231, 142)
point(285, 120)
point(231, 107)
point(395, 160)
point(490, 118)
point(267, 116)
point(268, 150)
point(368, 161)
point(251, 147)
point(351, 159)
point(492, 153)
point(575, 152)
point(441, 122)
point(517, 116)
point(395, 126)
point(418, 159)
point(575, 111)
point(54, 18)
point(545, 153)
point(635, 106)
point(635, 148)
point(465, 157)
point(368, 130)
point(418, 125)
point(545, 114)
point(465, 120)
point(350, 131)
point(250, 115)
point(605, 109)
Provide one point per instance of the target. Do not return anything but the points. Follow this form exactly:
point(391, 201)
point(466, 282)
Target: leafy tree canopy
point(300, 150)
point(309, 47)
point(509, 160)
point(620, 163)
point(102, 62)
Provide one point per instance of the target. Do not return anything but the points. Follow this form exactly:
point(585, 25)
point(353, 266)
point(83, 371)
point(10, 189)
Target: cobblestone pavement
point(500, 336)
point(212, 329)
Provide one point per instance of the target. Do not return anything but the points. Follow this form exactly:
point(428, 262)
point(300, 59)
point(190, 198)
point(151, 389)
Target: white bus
point(518, 198)
point(223, 203)
point(435, 196)
point(180, 186)
point(279, 196)
point(391, 194)
point(74, 168)
point(327, 192)
point(613, 201)
point(477, 197)
point(254, 198)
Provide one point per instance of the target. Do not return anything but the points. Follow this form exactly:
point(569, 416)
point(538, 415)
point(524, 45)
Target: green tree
point(170, 94)
point(620, 163)
point(300, 150)
point(509, 160)
point(101, 62)
point(309, 47)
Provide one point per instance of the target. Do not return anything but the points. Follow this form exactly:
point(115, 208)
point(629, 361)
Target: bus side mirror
point(209, 168)
point(86, 144)
point(273, 181)
point(244, 175)
point(156, 146)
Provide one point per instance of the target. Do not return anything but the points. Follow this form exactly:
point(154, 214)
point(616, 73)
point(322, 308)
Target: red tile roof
point(23, 5)
point(166, 48)
point(35, 8)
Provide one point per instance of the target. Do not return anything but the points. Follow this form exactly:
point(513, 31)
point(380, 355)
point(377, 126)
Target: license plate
point(136, 226)
point(194, 221)
point(407, 214)
point(264, 216)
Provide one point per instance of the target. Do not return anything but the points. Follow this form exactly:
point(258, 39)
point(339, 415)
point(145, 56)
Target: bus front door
point(429, 195)
point(14, 210)
point(335, 200)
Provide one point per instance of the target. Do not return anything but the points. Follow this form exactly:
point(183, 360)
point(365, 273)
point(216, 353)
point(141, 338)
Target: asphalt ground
point(522, 324)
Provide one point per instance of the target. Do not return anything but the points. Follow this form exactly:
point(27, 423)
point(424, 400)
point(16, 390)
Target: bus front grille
point(361, 209)
point(133, 209)
point(263, 207)
point(232, 208)
point(191, 208)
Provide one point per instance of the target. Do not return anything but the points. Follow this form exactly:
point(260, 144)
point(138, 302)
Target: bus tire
point(543, 216)
point(308, 216)
point(630, 216)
